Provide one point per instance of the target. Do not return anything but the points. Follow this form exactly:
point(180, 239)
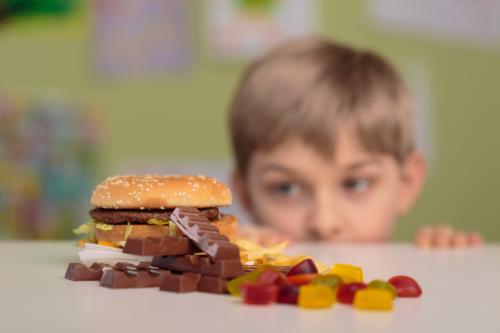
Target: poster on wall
point(138, 38)
point(473, 22)
point(49, 157)
point(244, 29)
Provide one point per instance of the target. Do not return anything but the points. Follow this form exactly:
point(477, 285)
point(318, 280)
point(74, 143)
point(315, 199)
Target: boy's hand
point(263, 236)
point(445, 236)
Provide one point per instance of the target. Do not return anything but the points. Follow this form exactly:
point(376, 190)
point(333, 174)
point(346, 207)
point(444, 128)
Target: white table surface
point(461, 293)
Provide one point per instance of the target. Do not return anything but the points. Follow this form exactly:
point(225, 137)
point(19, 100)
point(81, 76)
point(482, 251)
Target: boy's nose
point(324, 224)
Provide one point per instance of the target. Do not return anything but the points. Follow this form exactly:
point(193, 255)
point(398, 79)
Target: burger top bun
point(160, 192)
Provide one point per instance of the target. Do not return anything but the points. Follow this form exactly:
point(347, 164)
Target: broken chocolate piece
point(125, 275)
point(80, 272)
point(133, 269)
point(157, 261)
point(207, 237)
point(213, 285)
point(127, 267)
point(145, 265)
point(165, 246)
point(225, 268)
point(180, 283)
point(189, 282)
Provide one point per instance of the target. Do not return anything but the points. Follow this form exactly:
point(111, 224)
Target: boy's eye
point(285, 189)
point(356, 184)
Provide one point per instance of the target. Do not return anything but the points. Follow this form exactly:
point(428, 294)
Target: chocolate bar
point(165, 246)
point(189, 282)
point(207, 237)
point(213, 285)
point(180, 283)
point(225, 268)
point(125, 275)
point(80, 272)
point(130, 268)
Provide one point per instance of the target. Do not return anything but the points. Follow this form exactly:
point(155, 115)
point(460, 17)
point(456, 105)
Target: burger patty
point(117, 216)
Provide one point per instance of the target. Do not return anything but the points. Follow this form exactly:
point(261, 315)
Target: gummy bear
point(306, 266)
point(316, 296)
point(271, 276)
point(379, 284)
point(234, 285)
point(373, 299)
point(331, 280)
point(257, 293)
point(405, 286)
point(346, 292)
point(348, 273)
point(288, 294)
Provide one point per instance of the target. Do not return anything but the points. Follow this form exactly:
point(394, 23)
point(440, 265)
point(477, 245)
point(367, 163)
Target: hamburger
point(140, 207)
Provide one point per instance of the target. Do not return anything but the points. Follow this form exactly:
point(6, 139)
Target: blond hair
point(308, 89)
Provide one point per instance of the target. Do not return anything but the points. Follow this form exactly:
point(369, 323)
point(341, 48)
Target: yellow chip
point(246, 245)
point(322, 268)
point(255, 252)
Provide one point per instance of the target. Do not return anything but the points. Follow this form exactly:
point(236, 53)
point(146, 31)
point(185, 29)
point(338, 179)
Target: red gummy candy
point(306, 266)
point(405, 286)
point(270, 276)
point(346, 292)
point(288, 294)
point(259, 293)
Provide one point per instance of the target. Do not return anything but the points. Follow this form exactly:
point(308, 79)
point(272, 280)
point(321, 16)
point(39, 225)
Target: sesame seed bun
point(227, 225)
point(160, 192)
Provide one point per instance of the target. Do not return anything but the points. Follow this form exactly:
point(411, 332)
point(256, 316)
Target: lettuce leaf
point(172, 229)
point(85, 228)
point(104, 226)
point(128, 231)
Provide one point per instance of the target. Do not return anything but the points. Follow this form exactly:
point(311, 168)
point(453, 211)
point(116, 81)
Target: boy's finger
point(459, 239)
point(423, 239)
point(475, 239)
point(442, 240)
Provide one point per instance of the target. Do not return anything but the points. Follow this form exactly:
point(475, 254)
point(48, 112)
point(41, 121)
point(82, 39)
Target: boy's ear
point(413, 175)
point(240, 188)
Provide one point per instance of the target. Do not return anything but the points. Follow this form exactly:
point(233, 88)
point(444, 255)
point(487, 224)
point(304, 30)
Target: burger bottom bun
point(227, 225)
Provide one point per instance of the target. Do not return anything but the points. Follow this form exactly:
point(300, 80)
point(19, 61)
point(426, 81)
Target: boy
point(324, 145)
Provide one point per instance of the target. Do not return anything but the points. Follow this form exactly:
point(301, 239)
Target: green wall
point(146, 119)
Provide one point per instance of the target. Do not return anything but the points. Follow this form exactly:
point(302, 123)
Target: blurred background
point(95, 88)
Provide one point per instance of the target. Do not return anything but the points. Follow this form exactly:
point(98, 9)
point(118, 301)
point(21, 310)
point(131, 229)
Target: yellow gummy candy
point(373, 299)
point(316, 296)
point(348, 273)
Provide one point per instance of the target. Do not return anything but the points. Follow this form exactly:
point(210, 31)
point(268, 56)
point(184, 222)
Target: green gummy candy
point(380, 284)
point(331, 280)
point(234, 285)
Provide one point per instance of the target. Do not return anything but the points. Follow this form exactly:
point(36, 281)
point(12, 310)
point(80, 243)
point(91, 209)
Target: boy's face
point(355, 196)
